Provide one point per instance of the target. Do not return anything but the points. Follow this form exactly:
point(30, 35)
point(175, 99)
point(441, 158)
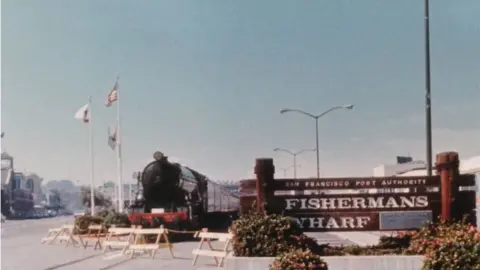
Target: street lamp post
point(316, 117)
point(285, 170)
point(428, 107)
point(294, 154)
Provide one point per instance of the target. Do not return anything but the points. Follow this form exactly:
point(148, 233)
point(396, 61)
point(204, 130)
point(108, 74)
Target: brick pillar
point(447, 164)
point(265, 171)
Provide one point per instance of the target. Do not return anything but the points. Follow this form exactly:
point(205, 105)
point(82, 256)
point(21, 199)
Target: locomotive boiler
point(176, 188)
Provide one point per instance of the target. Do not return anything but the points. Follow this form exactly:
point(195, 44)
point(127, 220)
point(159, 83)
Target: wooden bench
point(95, 232)
point(206, 236)
point(118, 237)
point(141, 245)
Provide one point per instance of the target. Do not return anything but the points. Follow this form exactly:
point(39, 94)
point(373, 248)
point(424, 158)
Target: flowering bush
point(452, 255)
point(260, 235)
point(432, 236)
point(447, 246)
point(299, 260)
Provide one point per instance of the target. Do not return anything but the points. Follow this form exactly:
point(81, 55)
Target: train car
point(176, 192)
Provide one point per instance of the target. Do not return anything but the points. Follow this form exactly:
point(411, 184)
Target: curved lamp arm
point(284, 150)
point(298, 111)
point(349, 107)
point(305, 150)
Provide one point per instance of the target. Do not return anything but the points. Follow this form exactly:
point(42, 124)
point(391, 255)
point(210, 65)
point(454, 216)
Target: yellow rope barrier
point(175, 231)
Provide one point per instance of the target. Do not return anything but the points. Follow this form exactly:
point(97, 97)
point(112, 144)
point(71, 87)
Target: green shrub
point(103, 213)
point(399, 241)
point(299, 260)
point(259, 235)
point(82, 223)
point(117, 219)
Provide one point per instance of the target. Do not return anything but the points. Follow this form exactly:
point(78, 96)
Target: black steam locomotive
point(176, 188)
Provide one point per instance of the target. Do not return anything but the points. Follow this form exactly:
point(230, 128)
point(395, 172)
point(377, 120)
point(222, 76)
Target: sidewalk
point(21, 249)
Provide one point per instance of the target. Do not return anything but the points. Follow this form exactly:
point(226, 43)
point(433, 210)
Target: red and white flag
point(113, 95)
point(83, 113)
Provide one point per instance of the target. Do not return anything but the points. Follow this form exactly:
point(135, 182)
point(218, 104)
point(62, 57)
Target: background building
point(109, 190)
point(419, 168)
point(34, 185)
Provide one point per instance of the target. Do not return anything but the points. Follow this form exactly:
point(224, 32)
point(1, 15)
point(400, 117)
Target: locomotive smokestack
point(158, 156)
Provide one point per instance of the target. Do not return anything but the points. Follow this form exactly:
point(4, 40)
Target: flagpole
point(119, 155)
point(90, 135)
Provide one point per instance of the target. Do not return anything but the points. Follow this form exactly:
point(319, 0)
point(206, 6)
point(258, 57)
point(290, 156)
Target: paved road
point(21, 249)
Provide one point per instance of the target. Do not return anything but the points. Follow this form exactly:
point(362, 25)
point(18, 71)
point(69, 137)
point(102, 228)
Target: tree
point(100, 198)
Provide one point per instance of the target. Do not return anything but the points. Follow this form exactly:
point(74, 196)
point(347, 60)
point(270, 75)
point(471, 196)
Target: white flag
point(83, 113)
point(112, 139)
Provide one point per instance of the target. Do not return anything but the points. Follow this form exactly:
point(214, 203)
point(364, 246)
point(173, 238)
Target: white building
point(397, 169)
point(109, 189)
point(418, 168)
point(469, 165)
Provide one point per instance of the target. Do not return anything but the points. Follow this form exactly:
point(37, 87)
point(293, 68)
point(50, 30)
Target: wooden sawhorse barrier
point(64, 233)
point(206, 236)
point(118, 237)
point(141, 245)
point(52, 235)
point(95, 233)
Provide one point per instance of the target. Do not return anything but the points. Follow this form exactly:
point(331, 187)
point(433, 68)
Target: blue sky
point(203, 81)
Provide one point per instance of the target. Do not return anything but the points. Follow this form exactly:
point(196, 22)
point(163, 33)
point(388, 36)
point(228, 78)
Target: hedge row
point(444, 245)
